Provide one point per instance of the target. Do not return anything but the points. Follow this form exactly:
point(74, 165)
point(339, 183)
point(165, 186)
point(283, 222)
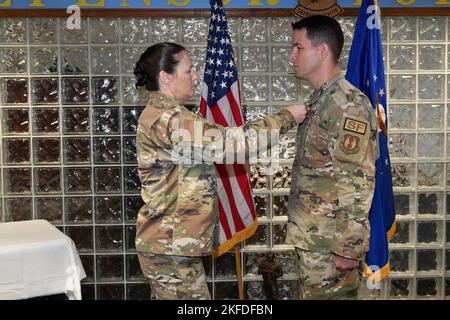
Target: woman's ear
point(165, 77)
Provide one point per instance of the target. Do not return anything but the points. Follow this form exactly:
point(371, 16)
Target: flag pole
point(237, 256)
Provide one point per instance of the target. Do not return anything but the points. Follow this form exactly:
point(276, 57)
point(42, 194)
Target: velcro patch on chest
point(355, 126)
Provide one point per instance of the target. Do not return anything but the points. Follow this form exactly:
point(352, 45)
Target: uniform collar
point(318, 93)
point(162, 100)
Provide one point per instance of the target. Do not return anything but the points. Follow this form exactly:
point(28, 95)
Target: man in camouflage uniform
point(333, 175)
point(176, 226)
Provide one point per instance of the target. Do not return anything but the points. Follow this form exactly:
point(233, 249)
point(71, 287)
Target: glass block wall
point(69, 112)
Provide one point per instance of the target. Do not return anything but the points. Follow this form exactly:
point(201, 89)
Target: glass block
point(75, 90)
point(49, 209)
point(110, 268)
point(288, 290)
point(429, 260)
point(18, 180)
point(403, 233)
point(109, 239)
point(83, 238)
point(399, 288)
point(254, 29)
point(402, 116)
point(104, 30)
point(427, 288)
point(74, 36)
point(252, 260)
point(432, 28)
point(402, 57)
point(43, 31)
point(74, 60)
point(130, 55)
point(134, 30)
point(16, 151)
point(279, 234)
point(130, 237)
point(430, 145)
point(306, 89)
point(43, 60)
point(46, 120)
point(343, 60)
point(130, 116)
point(78, 209)
point(431, 86)
point(403, 174)
point(131, 182)
point(138, 291)
point(254, 290)
point(18, 209)
point(233, 27)
point(284, 88)
point(260, 237)
point(45, 90)
point(78, 180)
point(88, 266)
point(255, 58)
point(430, 174)
point(132, 94)
point(261, 205)
point(132, 207)
point(106, 120)
point(13, 60)
point(404, 204)
point(431, 57)
point(431, 203)
point(447, 288)
point(281, 29)
point(447, 237)
point(110, 292)
point(280, 59)
point(77, 150)
point(402, 87)
point(280, 205)
point(76, 120)
point(348, 27)
point(105, 90)
point(108, 210)
point(197, 56)
point(400, 260)
point(14, 90)
point(107, 150)
point(431, 116)
point(253, 113)
point(258, 178)
point(105, 60)
point(47, 180)
point(195, 30)
point(133, 269)
point(46, 150)
point(225, 266)
point(226, 290)
point(164, 29)
point(402, 145)
point(15, 121)
point(429, 232)
point(129, 150)
point(107, 179)
point(402, 28)
point(255, 88)
point(13, 30)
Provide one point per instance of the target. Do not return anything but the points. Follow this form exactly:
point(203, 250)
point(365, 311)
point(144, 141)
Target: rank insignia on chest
point(350, 144)
point(355, 126)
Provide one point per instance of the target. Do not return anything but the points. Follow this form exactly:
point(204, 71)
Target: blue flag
point(365, 71)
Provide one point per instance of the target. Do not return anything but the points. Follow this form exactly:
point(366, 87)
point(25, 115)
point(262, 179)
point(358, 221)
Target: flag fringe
point(238, 237)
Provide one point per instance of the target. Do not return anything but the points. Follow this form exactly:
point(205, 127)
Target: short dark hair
point(322, 29)
point(157, 58)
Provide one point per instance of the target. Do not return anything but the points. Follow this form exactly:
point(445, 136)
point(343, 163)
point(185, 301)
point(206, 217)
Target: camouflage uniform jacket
point(180, 210)
point(333, 175)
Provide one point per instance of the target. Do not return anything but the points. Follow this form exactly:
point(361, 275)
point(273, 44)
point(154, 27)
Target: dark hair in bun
point(159, 57)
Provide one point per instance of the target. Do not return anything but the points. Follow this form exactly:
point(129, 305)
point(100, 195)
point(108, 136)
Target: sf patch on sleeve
point(353, 139)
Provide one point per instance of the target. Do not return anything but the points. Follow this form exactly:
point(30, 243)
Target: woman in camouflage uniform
point(176, 225)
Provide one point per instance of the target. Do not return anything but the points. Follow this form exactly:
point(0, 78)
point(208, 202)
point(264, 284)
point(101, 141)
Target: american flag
point(221, 103)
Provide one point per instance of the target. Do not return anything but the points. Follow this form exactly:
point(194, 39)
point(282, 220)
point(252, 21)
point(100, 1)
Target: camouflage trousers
point(320, 280)
point(175, 277)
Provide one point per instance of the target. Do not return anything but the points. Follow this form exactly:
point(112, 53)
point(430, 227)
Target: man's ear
point(324, 50)
point(165, 77)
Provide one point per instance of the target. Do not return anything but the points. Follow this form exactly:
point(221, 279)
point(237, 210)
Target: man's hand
point(298, 111)
point(346, 264)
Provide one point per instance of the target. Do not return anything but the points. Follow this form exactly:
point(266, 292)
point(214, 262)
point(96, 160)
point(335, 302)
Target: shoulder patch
point(350, 144)
point(356, 126)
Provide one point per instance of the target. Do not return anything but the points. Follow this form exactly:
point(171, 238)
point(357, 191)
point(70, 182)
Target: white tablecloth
point(36, 259)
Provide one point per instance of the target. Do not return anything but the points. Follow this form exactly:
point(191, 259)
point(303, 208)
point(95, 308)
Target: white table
point(36, 259)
